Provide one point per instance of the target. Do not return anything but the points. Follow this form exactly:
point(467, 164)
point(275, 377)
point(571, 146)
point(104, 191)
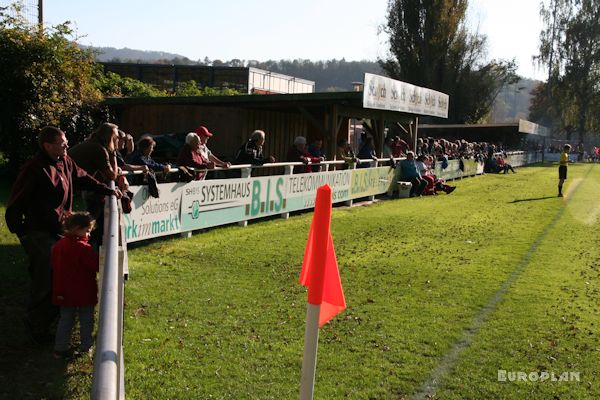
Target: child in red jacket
point(74, 265)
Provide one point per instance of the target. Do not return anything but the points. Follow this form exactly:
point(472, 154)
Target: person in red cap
point(203, 133)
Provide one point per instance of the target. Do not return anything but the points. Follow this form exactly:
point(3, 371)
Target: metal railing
point(109, 370)
point(246, 169)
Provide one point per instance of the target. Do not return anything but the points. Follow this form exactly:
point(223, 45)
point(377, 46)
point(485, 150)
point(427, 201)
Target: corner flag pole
point(314, 274)
point(325, 293)
point(311, 342)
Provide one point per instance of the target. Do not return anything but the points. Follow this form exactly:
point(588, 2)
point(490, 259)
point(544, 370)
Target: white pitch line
point(448, 362)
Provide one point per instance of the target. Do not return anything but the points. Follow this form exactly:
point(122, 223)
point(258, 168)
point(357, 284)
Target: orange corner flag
point(319, 268)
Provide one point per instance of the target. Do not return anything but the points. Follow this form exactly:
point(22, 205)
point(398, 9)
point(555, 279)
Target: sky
point(281, 29)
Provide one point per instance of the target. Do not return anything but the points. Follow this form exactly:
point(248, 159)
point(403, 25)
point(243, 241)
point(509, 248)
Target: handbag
point(152, 184)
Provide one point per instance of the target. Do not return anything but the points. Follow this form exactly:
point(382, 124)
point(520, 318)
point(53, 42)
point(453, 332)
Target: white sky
point(280, 29)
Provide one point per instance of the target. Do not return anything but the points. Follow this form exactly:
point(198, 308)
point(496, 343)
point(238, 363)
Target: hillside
point(132, 55)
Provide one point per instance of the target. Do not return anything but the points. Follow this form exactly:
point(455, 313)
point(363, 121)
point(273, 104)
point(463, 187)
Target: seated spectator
point(299, 153)
point(124, 148)
point(190, 156)
point(367, 151)
point(315, 149)
point(503, 165)
point(141, 156)
point(491, 165)
point(387, 147)
point(411, 173)
point(204, 134)
point(251, 152)
point(127, 147)
point(399, 147)
point(434, 185)
point(426, 174)
point(344, 152)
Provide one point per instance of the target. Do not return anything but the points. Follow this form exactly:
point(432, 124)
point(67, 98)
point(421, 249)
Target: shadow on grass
point(27, 371)
point(533, 199)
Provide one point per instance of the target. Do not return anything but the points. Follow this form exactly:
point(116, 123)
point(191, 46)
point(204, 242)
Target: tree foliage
point(45, 79)
point(430, 46)
point(190, 88)
point(114, 85)
point(570, 50)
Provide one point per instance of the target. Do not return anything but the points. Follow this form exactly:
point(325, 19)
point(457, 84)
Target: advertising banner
point(218, 202)
point(152, 217)
point(370, 181)
point(184, 207)
point(301, 189)
point(531, 127)
point(384, 93)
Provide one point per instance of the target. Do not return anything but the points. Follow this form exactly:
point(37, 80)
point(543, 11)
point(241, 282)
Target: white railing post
point(289, 170)
point(246, 173)
point(108, 359)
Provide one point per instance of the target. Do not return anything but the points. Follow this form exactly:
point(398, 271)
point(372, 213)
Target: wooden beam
point(335, 128)
point(380, 135)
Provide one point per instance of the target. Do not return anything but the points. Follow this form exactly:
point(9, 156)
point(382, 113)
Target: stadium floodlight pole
point(309, 361)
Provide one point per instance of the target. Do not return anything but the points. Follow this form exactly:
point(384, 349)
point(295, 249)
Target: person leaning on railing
point(367, 151)
point(251, 152)
point(141, 156)
point(299, 153)
point(316, 150)
point(124, 148)
point(42, 196)
point(196, 155)
point(97, 156)
point(204, 134)
point(344, 152)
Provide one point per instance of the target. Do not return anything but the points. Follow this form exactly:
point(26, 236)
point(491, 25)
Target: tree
point(188, 88)
point(570, 50)
point(114, 85)
point(46, 80)
point(430, 46)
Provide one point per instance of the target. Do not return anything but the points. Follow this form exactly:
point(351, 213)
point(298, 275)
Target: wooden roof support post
point(380, 136)
point(334, 127)
point(416, 131)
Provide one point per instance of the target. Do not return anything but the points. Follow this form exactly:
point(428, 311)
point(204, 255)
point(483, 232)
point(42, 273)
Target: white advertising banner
point(152, 217)
point(218, 202)
point(384, 93)
point(531, 127)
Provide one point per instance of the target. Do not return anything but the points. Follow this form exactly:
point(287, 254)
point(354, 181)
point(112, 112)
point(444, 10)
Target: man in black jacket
point(41, 197)
point(251, 152)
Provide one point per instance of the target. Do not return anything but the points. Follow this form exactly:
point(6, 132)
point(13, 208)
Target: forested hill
point(136, 56)
point(330, 75)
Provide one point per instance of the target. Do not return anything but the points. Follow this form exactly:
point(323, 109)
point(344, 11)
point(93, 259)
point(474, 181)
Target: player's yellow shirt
point(564, 158)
